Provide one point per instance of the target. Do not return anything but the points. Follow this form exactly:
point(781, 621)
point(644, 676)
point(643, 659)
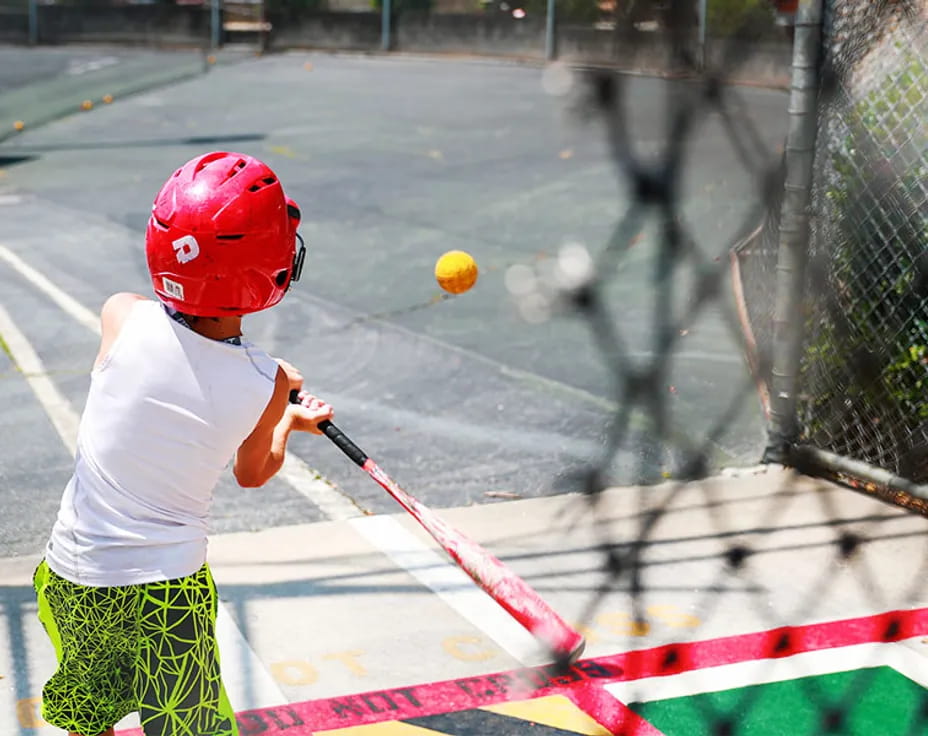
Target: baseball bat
point(498, 581)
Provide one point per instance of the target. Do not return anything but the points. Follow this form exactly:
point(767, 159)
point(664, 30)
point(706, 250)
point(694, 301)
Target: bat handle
point(341, 440)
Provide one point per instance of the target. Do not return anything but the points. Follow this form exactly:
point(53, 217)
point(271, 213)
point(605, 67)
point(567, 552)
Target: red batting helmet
point(222, 237)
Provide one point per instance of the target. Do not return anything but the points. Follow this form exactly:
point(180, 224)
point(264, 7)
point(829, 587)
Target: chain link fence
point(864, 355)
point(863, 373)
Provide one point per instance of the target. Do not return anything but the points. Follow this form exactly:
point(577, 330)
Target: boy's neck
point(215, 328)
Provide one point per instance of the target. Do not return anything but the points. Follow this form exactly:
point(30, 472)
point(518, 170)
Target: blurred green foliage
point(740, 17)
point(867, 349)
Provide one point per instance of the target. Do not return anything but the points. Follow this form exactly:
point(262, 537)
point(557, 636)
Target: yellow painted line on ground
point(555, 711)
point(284, 151)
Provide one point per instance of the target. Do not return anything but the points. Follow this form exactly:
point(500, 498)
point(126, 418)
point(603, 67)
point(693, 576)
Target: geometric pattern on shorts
point(149, 648)
point(178, 681)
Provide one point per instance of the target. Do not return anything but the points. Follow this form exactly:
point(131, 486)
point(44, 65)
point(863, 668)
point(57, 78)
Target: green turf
point(868, 702)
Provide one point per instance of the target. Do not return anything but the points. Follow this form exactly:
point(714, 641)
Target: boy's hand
point(305, 416)
point(294, 377)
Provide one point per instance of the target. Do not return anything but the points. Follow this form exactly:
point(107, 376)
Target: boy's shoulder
point(116, 310)
point(121, 303)
point(117, 307)
point(113, 316)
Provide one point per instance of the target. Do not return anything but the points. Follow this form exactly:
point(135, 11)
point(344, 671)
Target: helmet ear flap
point(293, 212)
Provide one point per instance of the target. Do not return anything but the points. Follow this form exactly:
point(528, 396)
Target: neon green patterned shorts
point(149, 648)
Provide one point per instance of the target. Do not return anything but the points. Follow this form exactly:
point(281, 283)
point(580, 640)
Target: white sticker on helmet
point(173, 288)
point(187, 248)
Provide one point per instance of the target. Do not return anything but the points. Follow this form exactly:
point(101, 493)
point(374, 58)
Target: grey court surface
point(394, 161)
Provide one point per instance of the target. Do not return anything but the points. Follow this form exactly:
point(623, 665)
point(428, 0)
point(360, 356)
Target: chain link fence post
point(794, 231)
point(215, 24)
point(703, 32)
point(33, 13)
point(386, 26)
point(550, 30)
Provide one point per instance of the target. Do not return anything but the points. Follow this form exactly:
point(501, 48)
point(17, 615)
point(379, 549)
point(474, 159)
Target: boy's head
point(222, 240)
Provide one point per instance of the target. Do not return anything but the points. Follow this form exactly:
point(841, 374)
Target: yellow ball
point(86, 105)
point(456, 271)
point(19, 125)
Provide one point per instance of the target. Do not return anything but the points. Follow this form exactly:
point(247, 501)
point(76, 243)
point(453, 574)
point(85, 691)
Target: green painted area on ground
point(866, 702)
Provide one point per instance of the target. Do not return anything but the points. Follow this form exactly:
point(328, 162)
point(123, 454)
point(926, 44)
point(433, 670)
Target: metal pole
point(386, 21)
point(818, 461)
point(550, 39)
point(793, 245)
point(215, 24)
point(703, 31)
point(33, 22)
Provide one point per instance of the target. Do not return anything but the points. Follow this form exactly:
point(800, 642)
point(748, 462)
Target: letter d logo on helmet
point(187, 248)
point(222, 229)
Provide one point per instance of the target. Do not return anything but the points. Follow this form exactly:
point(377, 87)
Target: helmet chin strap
point(298, 259)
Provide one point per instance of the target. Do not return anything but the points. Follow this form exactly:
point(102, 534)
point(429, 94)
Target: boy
point(124, 591)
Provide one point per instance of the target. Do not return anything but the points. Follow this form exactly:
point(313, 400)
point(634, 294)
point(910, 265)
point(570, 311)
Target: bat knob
point(576, 652)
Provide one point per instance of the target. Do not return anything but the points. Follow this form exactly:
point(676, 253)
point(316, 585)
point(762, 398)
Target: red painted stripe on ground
point(773, 644)
point(611, 714)
point(590, 674)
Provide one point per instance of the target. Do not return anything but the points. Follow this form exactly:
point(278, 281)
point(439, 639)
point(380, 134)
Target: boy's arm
point(262, 453)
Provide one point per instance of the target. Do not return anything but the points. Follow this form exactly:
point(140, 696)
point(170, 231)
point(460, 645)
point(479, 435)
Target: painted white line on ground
point(76, 67)
point(248, 683)
point(58, 408)
point(71, 306)
point(903, 659)
point(448, 582)
point(306, 481)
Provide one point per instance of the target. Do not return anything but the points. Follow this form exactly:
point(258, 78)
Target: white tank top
point(166, 411)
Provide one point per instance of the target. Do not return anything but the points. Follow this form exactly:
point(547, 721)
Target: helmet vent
point(261, 183)
point(236, 167)
point(238, 236)
point(210, 158)
point(161, 223)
